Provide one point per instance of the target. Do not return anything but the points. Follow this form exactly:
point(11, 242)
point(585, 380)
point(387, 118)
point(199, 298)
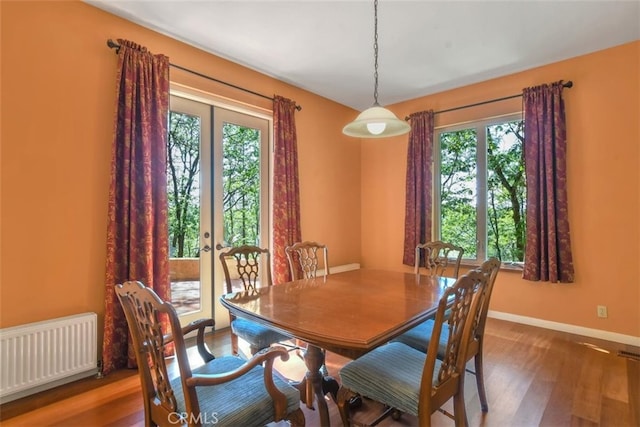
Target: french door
point(222, 199)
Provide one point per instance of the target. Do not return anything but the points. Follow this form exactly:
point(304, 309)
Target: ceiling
point(326, 47)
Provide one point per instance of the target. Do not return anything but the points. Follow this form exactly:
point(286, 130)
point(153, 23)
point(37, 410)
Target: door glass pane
point(183, 188)
point(241, 185)
point(458, 190)
point(506, 191)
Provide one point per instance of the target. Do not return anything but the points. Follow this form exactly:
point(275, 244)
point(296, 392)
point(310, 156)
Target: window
point(480, 182)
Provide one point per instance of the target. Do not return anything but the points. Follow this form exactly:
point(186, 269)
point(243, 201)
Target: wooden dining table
point(348, 313)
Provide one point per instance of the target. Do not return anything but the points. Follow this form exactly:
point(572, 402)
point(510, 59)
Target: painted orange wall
point(602, 111)
point(57, 105)
point(58, 95)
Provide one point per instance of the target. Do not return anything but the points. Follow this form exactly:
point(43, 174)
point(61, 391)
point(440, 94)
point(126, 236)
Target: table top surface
point(349, 313)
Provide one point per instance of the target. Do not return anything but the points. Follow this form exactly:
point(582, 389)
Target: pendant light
point(376, 121)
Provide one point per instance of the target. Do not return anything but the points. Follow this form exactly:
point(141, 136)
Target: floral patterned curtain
point(137, 230)
point(286, 191)
point(548, 249)
point(418, 204)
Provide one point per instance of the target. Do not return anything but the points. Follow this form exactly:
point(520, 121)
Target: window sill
point(507, 266)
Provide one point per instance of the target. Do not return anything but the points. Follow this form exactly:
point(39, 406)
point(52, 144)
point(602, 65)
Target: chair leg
point(482, 394)
point(459, 410)
point(234, 344)
point(296, 418)
point(344, 396)
point(323, 368)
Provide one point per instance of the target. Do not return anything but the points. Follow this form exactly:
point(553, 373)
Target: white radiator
point(41, 355)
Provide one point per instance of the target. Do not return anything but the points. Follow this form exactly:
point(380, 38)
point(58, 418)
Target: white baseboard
point(564, 327)
point(340, 268)
point(345, 267)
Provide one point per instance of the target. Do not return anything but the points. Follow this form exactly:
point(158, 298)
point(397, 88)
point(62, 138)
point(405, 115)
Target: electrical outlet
point(602, 311)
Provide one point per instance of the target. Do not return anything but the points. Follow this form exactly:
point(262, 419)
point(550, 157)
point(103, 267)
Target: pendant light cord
point(375, 52)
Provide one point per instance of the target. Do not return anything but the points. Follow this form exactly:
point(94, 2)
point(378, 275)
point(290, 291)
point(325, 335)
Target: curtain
point(286, 191)
point(548, 249)
point(137, 229)
point(418, 203)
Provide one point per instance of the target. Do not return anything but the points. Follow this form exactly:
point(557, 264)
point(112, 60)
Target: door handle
point(220, 247)
point(206, 248)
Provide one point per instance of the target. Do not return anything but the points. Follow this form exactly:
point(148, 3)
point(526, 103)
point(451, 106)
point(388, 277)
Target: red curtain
point(548, 249)
point(137, 230)
point(286, 191)
point(419, 185)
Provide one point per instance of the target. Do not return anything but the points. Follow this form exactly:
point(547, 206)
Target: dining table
point(349, 313)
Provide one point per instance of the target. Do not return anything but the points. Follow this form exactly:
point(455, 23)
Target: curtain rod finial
point(113, 45)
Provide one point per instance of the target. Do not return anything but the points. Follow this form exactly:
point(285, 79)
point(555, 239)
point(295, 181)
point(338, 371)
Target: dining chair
point(224, 390)
point(419, 337)
point(410, 381)
point(247, 268)
point(437, 258)
point(304, 259)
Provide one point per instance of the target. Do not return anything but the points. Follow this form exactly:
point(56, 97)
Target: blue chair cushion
point(255, 334)
point(390, 374)
point(419, 337)
point(243, 401)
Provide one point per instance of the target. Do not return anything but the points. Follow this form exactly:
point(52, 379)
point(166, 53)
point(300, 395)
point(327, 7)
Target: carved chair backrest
point(246, 268)
point(438, 257)
point(457, 308)
point(149, 319)
point(304, 260)
point(490, 269)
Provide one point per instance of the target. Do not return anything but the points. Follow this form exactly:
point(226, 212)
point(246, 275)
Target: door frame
point(219, 313)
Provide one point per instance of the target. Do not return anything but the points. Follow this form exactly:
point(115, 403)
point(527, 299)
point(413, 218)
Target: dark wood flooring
point(534, 377)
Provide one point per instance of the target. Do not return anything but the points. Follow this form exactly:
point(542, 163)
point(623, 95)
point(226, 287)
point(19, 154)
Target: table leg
point(315, 384)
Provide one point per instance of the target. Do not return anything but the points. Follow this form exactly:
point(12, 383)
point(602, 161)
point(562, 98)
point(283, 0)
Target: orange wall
point(58, 94)
point(603, 157)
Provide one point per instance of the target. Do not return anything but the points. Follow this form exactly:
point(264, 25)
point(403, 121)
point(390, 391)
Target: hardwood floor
point(534, 377)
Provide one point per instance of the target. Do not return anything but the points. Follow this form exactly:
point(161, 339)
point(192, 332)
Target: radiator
point(41, 355)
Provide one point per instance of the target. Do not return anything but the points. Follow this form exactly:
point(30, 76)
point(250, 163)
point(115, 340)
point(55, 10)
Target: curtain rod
point(568, 85)
point(116, 46)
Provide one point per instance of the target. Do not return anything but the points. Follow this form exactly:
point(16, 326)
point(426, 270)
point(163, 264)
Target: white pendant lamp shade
point(376, 122)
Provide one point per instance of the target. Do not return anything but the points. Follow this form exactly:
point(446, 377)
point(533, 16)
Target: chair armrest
point(265, 356)
point(200, 326)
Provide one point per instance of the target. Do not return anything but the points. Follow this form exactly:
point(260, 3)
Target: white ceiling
point(326, 47)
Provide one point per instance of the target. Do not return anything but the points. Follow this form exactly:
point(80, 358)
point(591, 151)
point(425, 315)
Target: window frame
point(480, 127)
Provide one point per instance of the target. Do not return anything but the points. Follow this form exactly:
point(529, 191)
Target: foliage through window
point(482, 191)
point(241, 181)
point(183, 187)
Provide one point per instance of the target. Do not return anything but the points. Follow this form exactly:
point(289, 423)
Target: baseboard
point(340, 268)
point(564, 327)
